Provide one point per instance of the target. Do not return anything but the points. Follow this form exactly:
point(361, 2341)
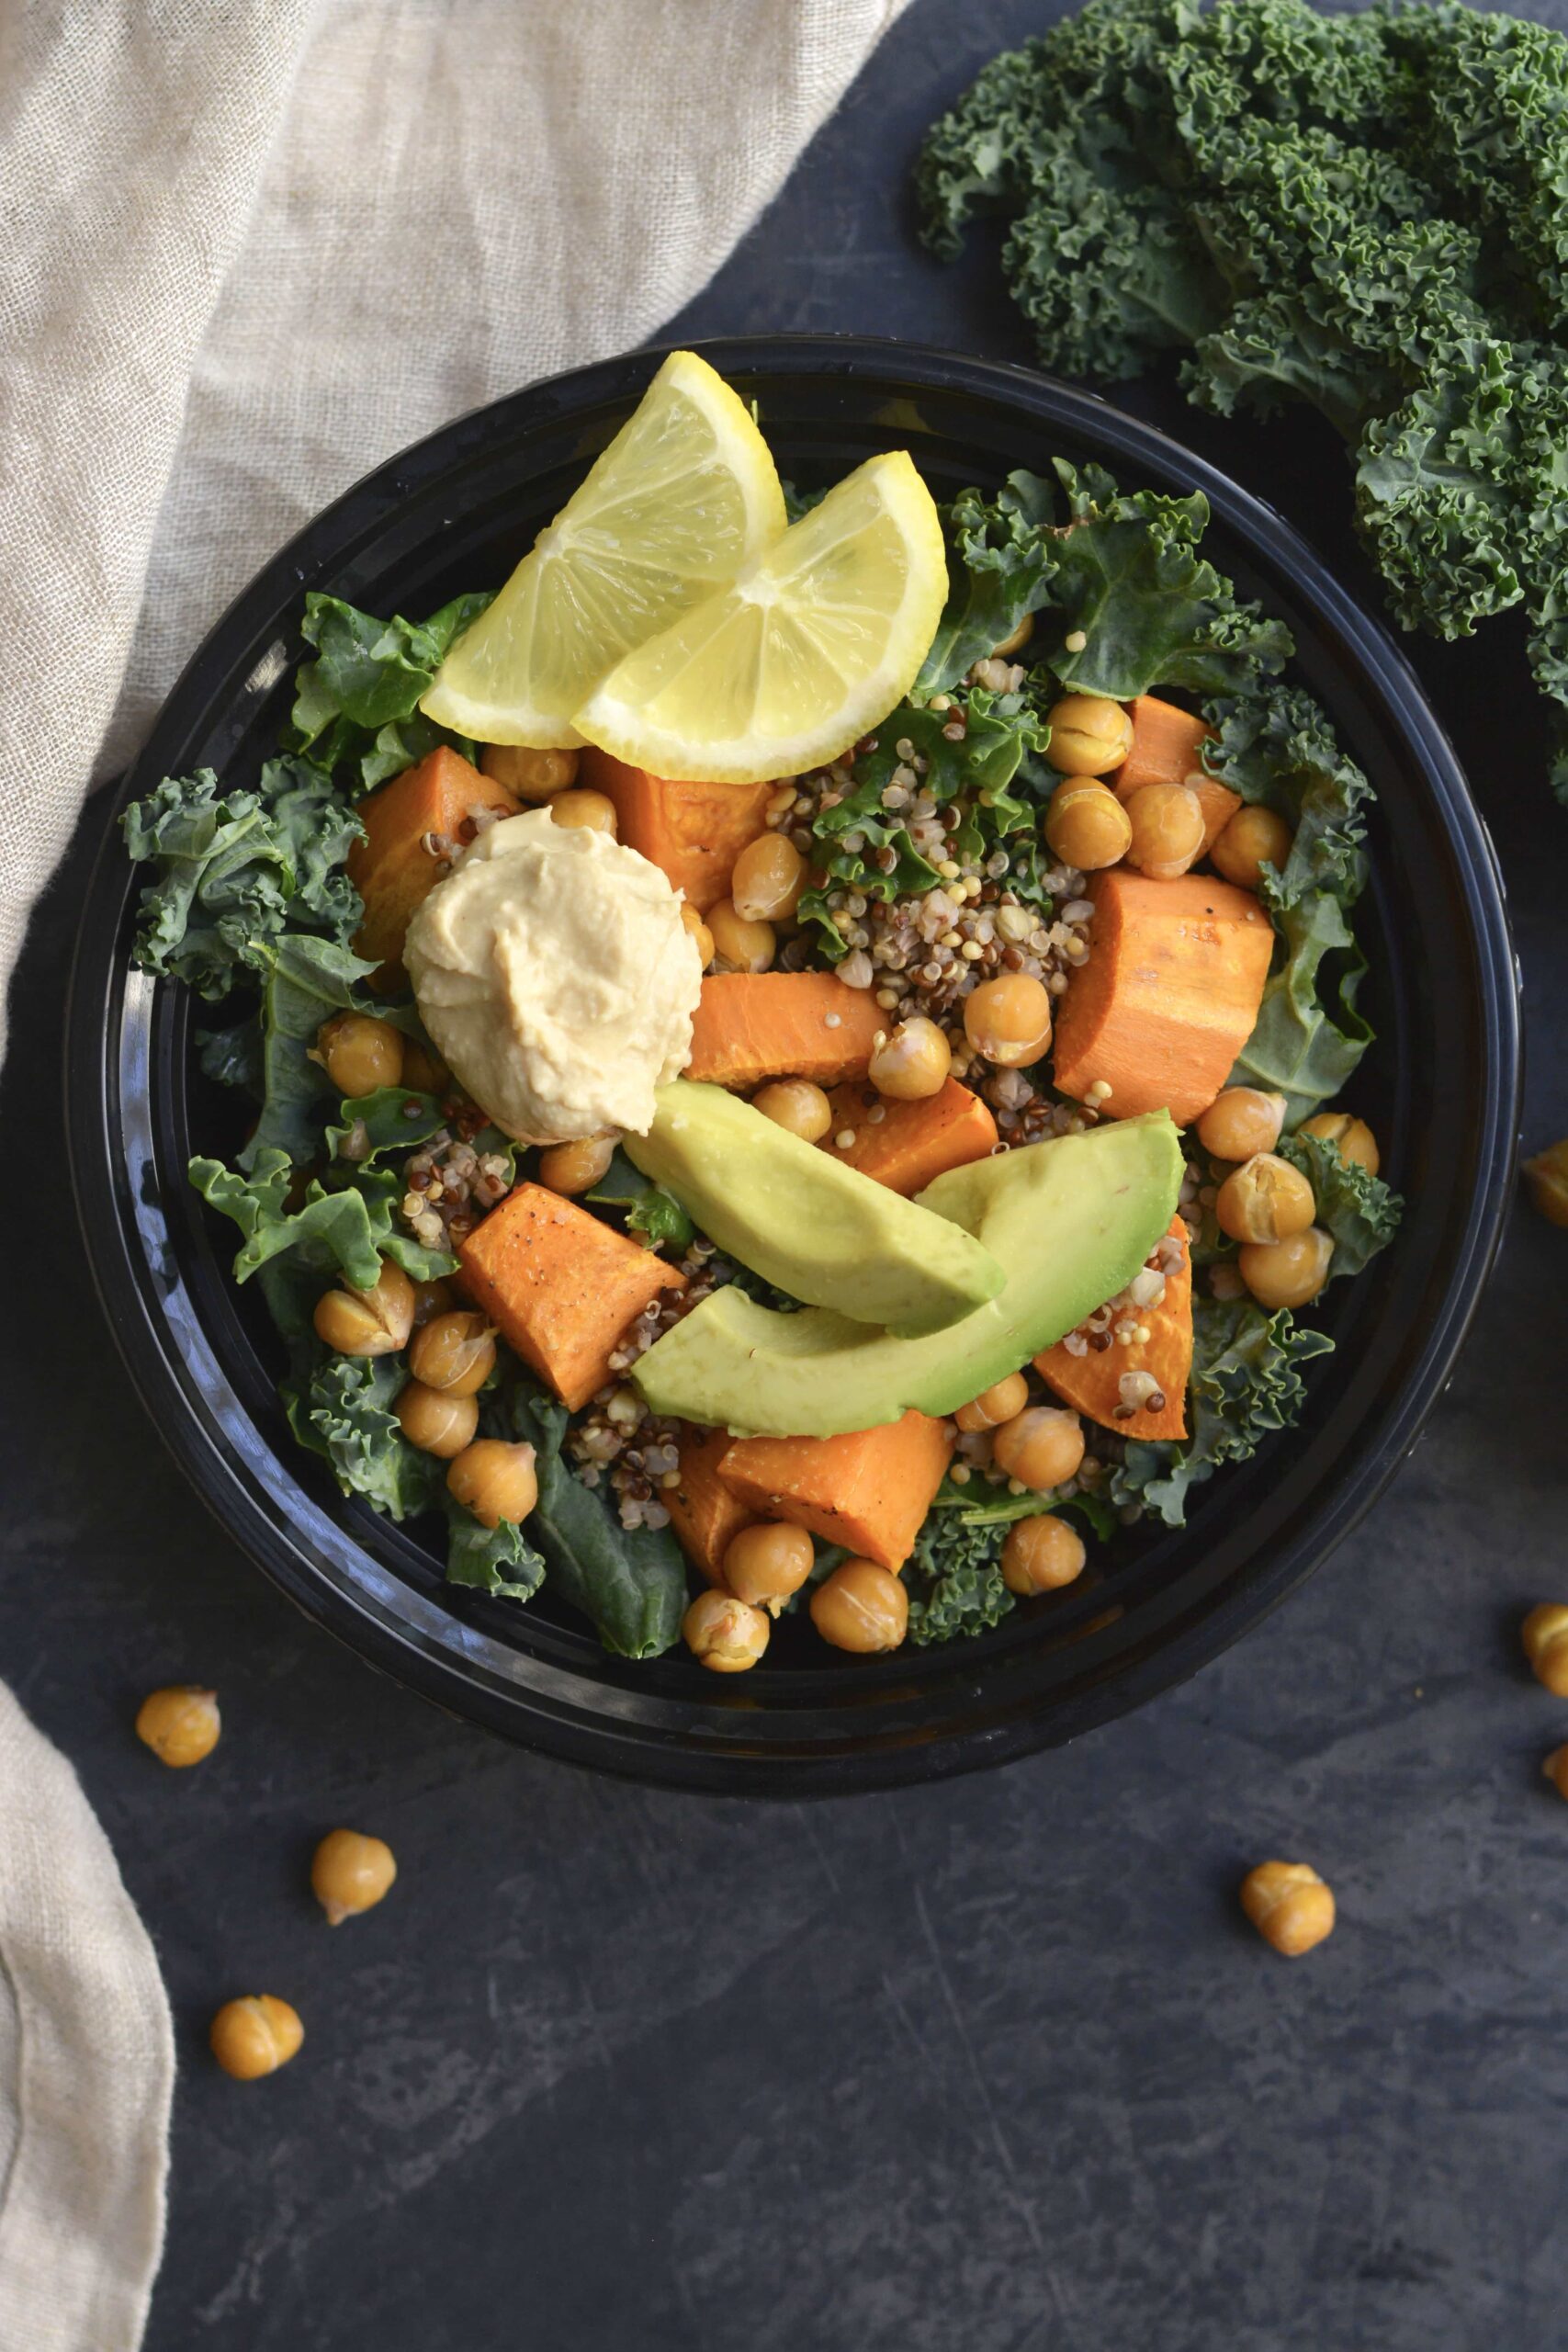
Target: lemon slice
point(816, 642)
point(684, 497)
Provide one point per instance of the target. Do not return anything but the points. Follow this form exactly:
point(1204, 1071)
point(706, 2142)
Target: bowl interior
point(1440, 1085)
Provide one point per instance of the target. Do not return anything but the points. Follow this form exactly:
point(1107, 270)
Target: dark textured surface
point(994, 2064)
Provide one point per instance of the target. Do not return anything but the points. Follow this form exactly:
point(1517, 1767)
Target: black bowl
point(1442, 1085)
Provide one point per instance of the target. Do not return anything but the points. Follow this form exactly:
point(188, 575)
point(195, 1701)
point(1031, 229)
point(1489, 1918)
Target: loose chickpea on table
point(180, 1724)
point(1289, 1905)
point(254, 2036)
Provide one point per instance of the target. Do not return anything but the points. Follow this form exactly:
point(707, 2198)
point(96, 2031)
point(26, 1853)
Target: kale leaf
point(497, 1560)
point(356, 704)
point(953, 1579)
point(1354, 1207)
point(342, 1233)
point(999, 566)
point(1309, 1036)
point(1277, 745)
point(654, 1214)
point(344, 1413)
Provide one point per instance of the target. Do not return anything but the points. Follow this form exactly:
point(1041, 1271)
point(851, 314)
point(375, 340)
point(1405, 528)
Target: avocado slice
point(1071, 1220)
point(820, 1230)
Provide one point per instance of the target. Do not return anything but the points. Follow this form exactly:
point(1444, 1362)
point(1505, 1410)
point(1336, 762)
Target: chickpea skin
point(495, 1480)
point(180, 1724)
point(767, 881)
point(350, 1873)
point(1015, 640)
point(1090, 735)
point(1002, 1402)
point(913, 1063)
point(455, 1351)
point(797, 1106)
point(254, 2036)
point(435, 1420)
point(531, 774)
point(1264, 1200)
point(1009, 1020)
point(862, 1606)
point(1255, 837)
point(725, 1635)
point(572, 1168)
point(1241, 1121)
point(1166, 822)
point(1351, 1137)
point(739, 944)
point(574, 808)
point(1040, 1447)
point(1041, 1554)
point(1545, 1637)
point(1289, 1273)
point(1288, 1904)
point(693, 922)
point(374, 1322)
point(763, 1565)
point(1086, 825)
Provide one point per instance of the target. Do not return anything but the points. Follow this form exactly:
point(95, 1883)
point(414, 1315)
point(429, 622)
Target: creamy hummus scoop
point(557, 978)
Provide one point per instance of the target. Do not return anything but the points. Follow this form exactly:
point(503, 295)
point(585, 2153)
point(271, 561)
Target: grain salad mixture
point(788, 1119)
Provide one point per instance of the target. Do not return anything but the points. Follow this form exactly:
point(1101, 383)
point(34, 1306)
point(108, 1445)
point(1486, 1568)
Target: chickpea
point(1042, 1554)
point(496, 1480)
point(740, 946)
point(359, 1053)
point(914, 1062)
point(1242, 1122)
point(180, 1724)
point(1264, 1200)
point(725, 1635)
point(594, 809)
point(861, 1606)
point(456, 1352)
point(530, 773)
point(435, 1420)
point(1040, 1447)
point(1555, 1769)
point(1255, 837)
point(1353, 1139)
point(1009, 1020)
point(1288, 1904)
point(1086, 825)
point(699, 931)
point(437, 1298)
point(1090, 735)
point(1289, 1273)
point(1547, 1176)
point(1545, 1636)
point(1167, 823)
point(763, 1565)
point(768, 878)
point(1004, 1402)
point(350, 1874)
point(572, 1168)
point(1015, 640)
point(795, 1104)
point(254, 2036)
point(375, 1322)
point(424, 1072)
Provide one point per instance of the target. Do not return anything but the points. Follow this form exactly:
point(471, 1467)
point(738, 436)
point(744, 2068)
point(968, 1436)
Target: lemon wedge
point(813, 643)
point(685, 497)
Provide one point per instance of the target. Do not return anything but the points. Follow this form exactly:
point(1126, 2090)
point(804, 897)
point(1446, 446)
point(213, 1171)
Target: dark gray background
point(994, 2064)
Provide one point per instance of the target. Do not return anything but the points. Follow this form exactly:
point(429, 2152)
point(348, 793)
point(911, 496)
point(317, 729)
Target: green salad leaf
point(306, 981)
point(954, 1579)
point(1309, 1036)
point(356, 704)
point(999, 564)
point(1356, 1208)
point(1277, 745)
point(341, 1233)
point(497, 1560)
point(983, 1505)
point(344, 1413)
point(651, 1213)
point(232, 1056)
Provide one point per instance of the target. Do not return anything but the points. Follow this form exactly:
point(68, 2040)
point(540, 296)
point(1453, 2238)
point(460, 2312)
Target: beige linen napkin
point(251, 248)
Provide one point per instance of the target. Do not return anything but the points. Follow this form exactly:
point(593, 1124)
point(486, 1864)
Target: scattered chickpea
point(180, 1724)
point(1042, 1554)
point(914, 1062)
point(767, 881)
point(254, 2036)
point(572, 1168)
point(1241, 1121)
point(1556, 1769)
point(435, 1420)
point(595, 810)
point(1288, 1904)
point(1040, 1447)
point(740, 945)
point(1289, 1273)
point(350, 1874)
point(725, 1635)
point(455, 1351)
point(1547, 1176)
point(532, 774)
point(424, 1072)
point(1086, 825)
point(360, 1053)
point(1015, 639)
point(1009, 1020)
point(1353, 1139)
point(1167, 823)
point(374, 1322)
point(1255, 837)
point(699, 931)
point(1002, 1402)
point(862, 1606)
point(763, 1565)
point(1264, 1200)
point(1090, 735)
point(1545, 1636)
point(496, 1480)
point(795, 1104)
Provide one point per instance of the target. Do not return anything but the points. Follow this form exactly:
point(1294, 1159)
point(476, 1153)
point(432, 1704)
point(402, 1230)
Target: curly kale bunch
point(1365, 213)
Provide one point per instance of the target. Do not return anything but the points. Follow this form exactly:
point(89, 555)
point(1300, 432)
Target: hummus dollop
point(555, 977)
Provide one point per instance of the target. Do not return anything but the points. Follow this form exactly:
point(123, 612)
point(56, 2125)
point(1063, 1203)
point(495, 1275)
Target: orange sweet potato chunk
point(753, 1025)
point(1167, 749)
point(704, 1513)
point(1167, 996)
point(391, 868)
point(912, 1143)
point(559, 1286)
point(869, 1491)
point(694, 831)
point(1092, 1383)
